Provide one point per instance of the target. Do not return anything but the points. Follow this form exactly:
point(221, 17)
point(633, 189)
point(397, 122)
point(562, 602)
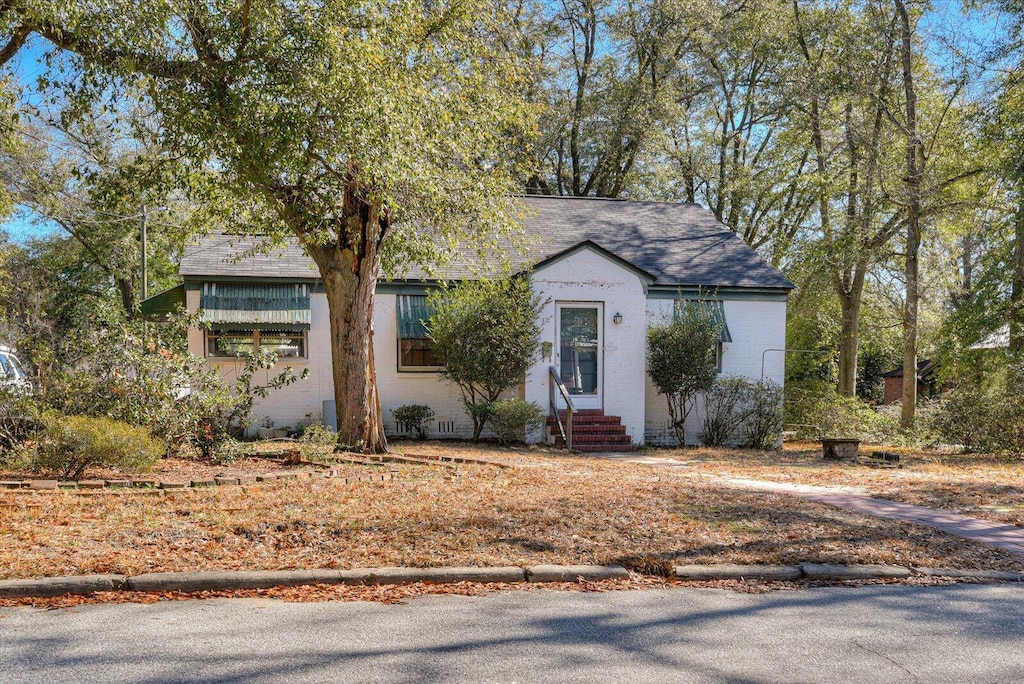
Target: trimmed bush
point(724, 410)
point(762, 417)
point(511, 419)
point(69, 444)
point(485, 334)
point(415, 418)
point(681, 360)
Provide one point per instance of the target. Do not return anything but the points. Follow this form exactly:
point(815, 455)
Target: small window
point(235, 343)
point(417, 354)
point(716, 309)
point(415, 348)
point(287, 345)
point(230, 343)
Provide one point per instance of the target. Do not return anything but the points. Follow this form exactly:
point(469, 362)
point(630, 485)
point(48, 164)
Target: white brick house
point(605, 267)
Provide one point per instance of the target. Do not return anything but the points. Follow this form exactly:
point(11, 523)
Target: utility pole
point(142, 250)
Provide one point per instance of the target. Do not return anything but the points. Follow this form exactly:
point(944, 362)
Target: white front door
point(579, 351)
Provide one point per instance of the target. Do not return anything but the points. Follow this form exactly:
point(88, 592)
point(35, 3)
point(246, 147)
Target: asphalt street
point(965, 633)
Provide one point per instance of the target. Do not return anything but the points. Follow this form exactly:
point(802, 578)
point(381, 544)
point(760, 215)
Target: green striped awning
point(715, 307)
point(413, 313)
point(259, 306)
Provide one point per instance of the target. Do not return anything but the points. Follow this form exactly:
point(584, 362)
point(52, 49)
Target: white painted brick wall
point(583, 277)
point(299, 402)
point(587, 276)
point(400, 388)
point(755, 326)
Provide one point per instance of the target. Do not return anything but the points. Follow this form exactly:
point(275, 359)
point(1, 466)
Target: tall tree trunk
point(350, 268)
point(1017, 283)
point(851, 291)
point(124, 286)
point(915, 165)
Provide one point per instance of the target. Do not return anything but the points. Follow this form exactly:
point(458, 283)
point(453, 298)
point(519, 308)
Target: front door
point(580, 352)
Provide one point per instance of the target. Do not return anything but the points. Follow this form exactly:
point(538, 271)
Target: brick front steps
point(592, 431)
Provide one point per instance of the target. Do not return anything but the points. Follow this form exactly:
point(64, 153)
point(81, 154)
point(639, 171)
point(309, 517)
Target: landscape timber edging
point(149, 484)
point(229, 580)
point(158, 486)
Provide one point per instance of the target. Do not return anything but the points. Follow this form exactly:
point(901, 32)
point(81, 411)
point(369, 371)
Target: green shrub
point(67, 445)
point(681, 360)
point(19, 417)
point(984, 414)
point(511, 419)
point(144, 375)
point(415, 418)
point(814, 410)
point(724, 410)
point(762, 415)
point(485, 334)
point(228, 451)
point(318, 441)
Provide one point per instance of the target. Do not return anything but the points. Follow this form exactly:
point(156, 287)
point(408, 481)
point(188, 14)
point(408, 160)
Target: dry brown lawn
point(548, 509)
point(980, 485)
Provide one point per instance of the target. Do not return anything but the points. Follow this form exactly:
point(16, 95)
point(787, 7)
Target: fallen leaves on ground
point(980, 485)
point(551, 509)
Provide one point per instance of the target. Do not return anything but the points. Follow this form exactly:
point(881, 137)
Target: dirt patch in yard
point(548, 510)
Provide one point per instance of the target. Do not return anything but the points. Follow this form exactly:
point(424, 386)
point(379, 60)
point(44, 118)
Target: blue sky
point(950, 30)
point(25, 224)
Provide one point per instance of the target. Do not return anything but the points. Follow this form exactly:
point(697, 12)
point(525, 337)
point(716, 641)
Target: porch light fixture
point(617, 318)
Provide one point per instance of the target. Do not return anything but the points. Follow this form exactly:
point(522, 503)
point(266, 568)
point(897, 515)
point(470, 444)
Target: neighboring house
point(605, 268)
point(928, 384)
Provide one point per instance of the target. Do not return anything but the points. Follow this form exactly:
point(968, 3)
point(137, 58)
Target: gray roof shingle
point(678, 244)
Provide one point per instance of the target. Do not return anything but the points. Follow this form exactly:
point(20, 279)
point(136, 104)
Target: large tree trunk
point(1017, 284)
point(850, 295)
point(915, 168)
point(350, 268)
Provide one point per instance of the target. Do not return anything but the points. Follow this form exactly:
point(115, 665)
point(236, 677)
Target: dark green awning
point(714, 307)
point(413, 313)
point(260, 306)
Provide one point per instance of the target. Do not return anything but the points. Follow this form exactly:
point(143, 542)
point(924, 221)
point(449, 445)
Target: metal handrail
point(570, 408)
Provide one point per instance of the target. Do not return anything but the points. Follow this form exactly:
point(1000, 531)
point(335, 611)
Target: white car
point(12, 373)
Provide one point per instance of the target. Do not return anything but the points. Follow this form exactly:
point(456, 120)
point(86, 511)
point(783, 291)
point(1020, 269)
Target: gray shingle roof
point(678, 244)
point(235, 256)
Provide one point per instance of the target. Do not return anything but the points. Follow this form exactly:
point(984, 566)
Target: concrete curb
point(729, 571)
point(58, 586)
point(575, 573)
point(187, 582)
point(822, 571)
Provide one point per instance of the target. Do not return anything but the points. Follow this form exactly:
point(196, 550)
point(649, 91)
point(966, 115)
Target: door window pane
point(579, 345)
